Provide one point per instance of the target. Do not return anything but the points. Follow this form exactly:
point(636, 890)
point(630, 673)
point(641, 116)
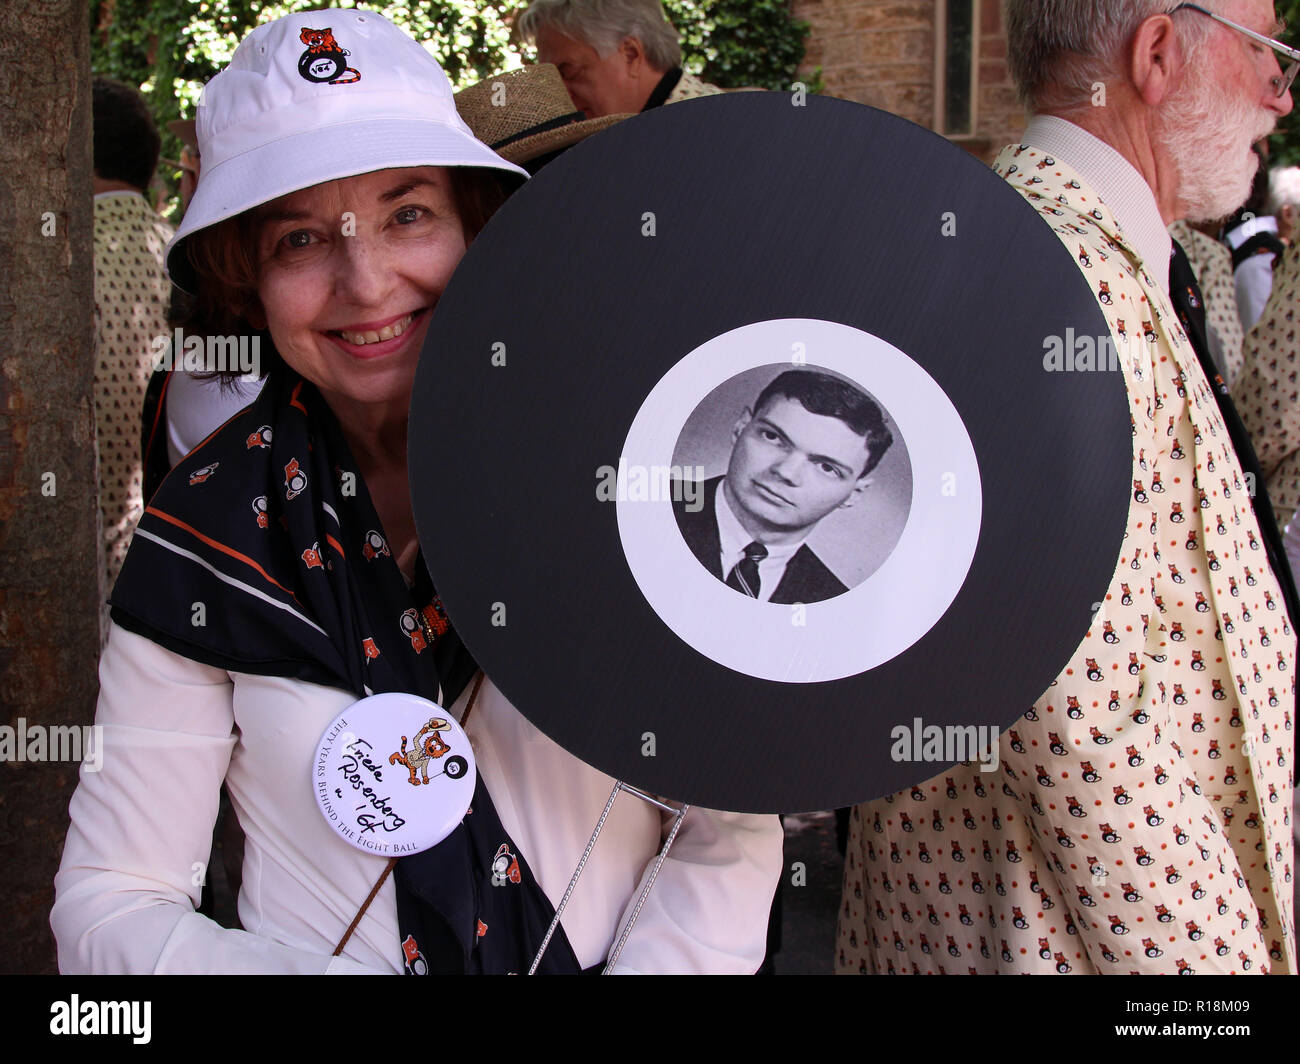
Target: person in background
point(182, 406)
point(526, 115)
point(615, 56)
point(131, 298)
point(1267, 393)
point(190, 163)
point(1268, 396)
point(1140, 822)
point(1284, 200)
point(1252, 235)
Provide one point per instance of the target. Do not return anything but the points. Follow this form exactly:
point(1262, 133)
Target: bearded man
point(1141, 821)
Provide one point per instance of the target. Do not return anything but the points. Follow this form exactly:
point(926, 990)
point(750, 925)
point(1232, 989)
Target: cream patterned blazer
point(689, 87)
point(1140, 818)
point(1266, 392)
point(131, 297)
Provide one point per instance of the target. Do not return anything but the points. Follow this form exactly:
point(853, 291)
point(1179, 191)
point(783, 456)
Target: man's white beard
point(1207, 135)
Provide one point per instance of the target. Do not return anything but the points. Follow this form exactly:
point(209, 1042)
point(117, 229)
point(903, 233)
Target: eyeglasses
point(1279, 84)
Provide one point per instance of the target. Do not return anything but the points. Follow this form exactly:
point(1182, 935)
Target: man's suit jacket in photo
point(806, 578)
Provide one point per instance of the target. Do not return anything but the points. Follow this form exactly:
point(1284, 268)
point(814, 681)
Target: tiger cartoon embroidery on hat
point(324, 60)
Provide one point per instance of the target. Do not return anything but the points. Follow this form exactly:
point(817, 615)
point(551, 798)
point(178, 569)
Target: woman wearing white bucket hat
point(274, 581)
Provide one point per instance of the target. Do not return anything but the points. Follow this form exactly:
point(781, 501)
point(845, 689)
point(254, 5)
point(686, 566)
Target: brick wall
point(881, 53)
point(1001, 116)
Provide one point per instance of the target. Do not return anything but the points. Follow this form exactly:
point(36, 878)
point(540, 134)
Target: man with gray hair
point(1140, 823)
point(1284, 199)
point(1266, 391)
point(615, 56)
point(1257, 236)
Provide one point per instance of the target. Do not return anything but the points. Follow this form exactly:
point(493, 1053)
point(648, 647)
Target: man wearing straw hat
point(526, 115)
point(615, 56)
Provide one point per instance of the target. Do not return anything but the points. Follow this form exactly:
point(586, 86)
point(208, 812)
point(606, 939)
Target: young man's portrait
point(803, 449)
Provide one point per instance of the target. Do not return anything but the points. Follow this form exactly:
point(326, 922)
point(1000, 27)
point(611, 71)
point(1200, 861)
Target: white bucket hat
point(314, 97)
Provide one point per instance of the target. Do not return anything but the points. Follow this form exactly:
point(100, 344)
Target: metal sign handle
point(678, 816)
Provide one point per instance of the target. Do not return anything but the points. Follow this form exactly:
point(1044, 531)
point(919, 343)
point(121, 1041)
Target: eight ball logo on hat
point(324, 59)
point(393, 774)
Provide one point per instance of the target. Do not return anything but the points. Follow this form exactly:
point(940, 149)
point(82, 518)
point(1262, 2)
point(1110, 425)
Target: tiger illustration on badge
point(427, 748)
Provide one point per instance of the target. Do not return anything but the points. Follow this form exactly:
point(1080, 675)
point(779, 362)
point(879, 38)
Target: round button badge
point(393, 774)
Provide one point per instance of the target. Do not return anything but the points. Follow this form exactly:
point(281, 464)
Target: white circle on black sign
point(810, 626)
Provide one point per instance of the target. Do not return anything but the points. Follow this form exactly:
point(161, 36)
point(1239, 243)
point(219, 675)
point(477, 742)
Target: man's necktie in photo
point(744, 575)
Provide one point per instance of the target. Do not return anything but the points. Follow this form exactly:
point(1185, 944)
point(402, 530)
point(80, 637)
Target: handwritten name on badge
point(393, 774)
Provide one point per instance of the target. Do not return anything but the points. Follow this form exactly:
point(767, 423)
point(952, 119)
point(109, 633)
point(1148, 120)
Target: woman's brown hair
point(224, 257)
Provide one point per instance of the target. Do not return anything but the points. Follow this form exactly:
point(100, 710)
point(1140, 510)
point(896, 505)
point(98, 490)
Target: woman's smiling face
point(348, 275)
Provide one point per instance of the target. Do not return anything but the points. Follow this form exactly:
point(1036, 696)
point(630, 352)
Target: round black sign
point(737, 462)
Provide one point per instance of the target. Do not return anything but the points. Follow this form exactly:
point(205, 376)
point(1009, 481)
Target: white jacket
point(173, 729)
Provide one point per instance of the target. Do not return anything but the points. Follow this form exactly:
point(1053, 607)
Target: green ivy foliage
point(742, 43)
point(169, 48)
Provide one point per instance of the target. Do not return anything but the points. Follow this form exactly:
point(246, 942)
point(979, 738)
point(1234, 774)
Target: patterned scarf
point(262, 553)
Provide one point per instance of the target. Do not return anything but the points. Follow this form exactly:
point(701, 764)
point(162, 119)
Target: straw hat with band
point(527, 113)
point(315, 97)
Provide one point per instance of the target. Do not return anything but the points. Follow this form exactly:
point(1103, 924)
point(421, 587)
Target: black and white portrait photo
point(807, 485)
point(797, 500)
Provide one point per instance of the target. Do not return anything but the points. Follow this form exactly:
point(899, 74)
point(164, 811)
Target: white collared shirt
point(1117, 181)
point(173, 729)
point(734, 539)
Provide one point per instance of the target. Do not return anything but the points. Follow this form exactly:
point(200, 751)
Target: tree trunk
point(49, 527)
